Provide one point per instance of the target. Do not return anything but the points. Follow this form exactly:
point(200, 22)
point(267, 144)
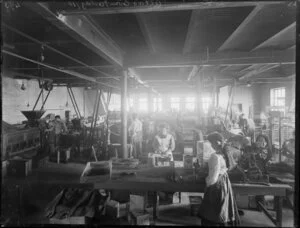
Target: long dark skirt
point(219, 206)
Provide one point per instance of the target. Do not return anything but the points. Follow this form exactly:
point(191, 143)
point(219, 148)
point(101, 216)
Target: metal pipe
point(52, 49)
point(96, 115)
point(37, 100)
point(72, 102)
point(124, 114)
point(45, 100)
point(75, 101)
point(76, 74)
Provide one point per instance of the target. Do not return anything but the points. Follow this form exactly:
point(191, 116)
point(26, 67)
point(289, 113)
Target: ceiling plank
point(193, 72)
point(231, 39)
point(157, 6)
point(146, 32)
point(73, 73)
point(275, 40)
point(83, 30)
point(191, 28)
point(258, 71)
point(220, 58)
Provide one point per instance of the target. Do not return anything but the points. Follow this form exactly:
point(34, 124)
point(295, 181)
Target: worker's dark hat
point(215, 138)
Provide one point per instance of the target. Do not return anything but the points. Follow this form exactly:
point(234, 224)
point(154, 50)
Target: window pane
point(190, 104)
point(143, 105)
point(277, 99)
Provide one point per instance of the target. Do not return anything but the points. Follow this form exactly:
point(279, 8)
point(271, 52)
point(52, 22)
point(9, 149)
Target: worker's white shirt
point(163, 145)
point(135, 128)
point(216, 166)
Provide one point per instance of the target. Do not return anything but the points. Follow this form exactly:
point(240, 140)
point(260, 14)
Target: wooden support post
point(199, 98)
point(155, 206)
point(124, 113)
point(214, 96)
point(150, 102)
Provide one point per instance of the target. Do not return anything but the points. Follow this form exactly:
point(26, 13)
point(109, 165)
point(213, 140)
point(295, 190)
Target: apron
point(218, 205)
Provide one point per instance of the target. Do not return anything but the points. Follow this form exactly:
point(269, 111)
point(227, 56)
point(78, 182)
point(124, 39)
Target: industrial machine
point(18, 140)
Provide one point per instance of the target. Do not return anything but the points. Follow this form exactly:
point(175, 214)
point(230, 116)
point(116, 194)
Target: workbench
point(156, 184)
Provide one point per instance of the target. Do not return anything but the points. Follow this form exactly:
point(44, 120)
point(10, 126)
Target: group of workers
point(163, 143)
point(52, 126)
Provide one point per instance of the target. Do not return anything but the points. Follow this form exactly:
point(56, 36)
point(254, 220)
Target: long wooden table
point(154, 185)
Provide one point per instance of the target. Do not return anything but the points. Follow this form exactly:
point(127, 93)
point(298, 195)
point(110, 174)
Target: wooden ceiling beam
point(146, 32)
point(83, 30)
point(191, 29)
point(258, 71)
point(194, 72)
point(220, 58)
point(234, 36)
point(158, 6)
point(69, 72)
point(275, 39)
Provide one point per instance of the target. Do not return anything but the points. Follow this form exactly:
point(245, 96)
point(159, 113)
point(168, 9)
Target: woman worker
point(219, 206)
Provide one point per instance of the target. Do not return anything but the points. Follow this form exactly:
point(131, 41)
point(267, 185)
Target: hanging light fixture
point(249, 84)
point(23, 86)
point(67, 103)
point(28, 98)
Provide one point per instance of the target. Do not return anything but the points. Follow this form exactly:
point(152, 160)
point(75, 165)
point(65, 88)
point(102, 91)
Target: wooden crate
point(19, 167)
point(242, 201)
point(63, 154)
point(139, 217)
point(195, 203)
point(39, 162)
point(76, 220)
point(138, 202)
point(115, 209)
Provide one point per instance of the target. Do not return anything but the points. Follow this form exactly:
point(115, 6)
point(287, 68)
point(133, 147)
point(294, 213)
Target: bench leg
point(58, 156)
point(154, 206)
point(278, 205)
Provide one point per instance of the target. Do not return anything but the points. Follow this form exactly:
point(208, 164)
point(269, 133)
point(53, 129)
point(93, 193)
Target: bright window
point(115, 102)
point(175, 103)
point(130, 103)
point(277, 99)
point(143, 105)
point(190, 104)
point(157, 104)
point(206, 102)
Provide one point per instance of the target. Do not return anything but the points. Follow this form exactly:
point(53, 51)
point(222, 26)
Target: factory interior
point(149, 113)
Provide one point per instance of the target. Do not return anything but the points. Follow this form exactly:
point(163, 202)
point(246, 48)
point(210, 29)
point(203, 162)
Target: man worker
point(164, 142)
point(59, 128)
point(136, 135)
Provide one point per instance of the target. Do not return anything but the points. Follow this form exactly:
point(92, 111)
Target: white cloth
point(216, 166)
point(164, 145)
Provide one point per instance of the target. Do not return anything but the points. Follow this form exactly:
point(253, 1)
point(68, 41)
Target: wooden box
point(63, 155)
point(96, 171)
point(137, 202)
point(139, 217)
point(195, 202)
point(156, 160)
point(242, 201)
point(252, 202)
point(114, 209)
point(76, 220)
point(19, 167)
point(39, 162)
